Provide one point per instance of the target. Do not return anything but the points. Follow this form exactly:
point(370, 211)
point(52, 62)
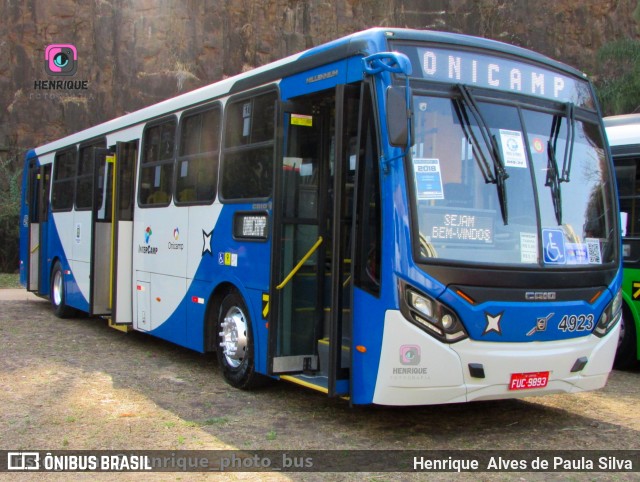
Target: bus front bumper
point(417, 369)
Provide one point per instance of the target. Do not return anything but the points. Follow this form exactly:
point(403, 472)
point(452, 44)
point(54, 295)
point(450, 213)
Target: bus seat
point(186, 195)
point(158, 197)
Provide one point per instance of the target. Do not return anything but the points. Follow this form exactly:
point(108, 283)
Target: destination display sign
point(458, 226)
point(501, 73)
point(250, 225)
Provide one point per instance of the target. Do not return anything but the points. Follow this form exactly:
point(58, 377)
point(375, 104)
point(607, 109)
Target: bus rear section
point(623, 133)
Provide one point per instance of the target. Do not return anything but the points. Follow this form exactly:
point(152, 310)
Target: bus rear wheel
point(57, 293)
point(235, 344)
point(627, 355)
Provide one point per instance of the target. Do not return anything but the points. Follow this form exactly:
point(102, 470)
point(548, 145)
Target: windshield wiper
point(478, 155)
point(568, 148)
point(554, 177)
point(500, 175)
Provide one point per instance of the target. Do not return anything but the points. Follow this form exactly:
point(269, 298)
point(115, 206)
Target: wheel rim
point(57, 288)
point(234, 336)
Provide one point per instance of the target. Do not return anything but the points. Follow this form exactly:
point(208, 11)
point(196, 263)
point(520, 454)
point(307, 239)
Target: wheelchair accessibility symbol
point(553, 242)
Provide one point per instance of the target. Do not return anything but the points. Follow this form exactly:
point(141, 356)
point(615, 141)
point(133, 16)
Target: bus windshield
point(502, 184)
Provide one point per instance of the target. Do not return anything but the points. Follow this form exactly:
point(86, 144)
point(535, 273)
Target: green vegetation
point(9, 280)
point(617, 79)
point(10, 177)
point(618, 85)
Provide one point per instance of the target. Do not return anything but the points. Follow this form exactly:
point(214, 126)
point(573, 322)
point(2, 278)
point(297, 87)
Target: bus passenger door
point(122, 289)
point(101, 233)
point(309, 321)
point(295, 311)
point(39, 185)
point(112, 236)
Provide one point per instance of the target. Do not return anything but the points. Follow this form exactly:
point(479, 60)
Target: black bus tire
point(627, 354)
point(235, 344)
point(57, 294)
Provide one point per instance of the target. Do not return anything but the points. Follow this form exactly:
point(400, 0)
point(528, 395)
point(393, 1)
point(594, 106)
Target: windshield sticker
point(306, 169)
point(593, 251)
point(301, 120)
point(554, 250)
point(576, 253)
point(528, 248)
point(538, 145)
point(428, 179)
point(513, 148)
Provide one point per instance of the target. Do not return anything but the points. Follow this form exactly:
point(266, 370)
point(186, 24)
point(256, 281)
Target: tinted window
point(198, 159)
point(156, 171)
point(64, 174)
point(84, 181)
point(247, 169)
point(628, 176)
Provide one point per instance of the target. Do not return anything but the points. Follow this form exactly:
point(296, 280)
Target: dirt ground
point(77, 384)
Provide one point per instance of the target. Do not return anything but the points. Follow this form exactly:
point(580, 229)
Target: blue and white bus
point(397, 217)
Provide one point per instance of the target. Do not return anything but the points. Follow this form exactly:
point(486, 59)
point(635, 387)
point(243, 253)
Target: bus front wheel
point(626, 356)
point(58, 294)
point(235, 344)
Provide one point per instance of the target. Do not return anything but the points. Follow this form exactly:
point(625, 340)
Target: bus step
point(319, 383)
point(123, 327)
point(323, 354)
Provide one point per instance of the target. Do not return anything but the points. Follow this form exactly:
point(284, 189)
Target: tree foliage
point(10, 178)
point(618, 84)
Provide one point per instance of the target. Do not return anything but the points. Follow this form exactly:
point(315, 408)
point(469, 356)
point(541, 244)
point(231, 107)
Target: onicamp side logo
point(61, 59)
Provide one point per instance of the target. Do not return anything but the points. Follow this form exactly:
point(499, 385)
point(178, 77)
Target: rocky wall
point(135, 53)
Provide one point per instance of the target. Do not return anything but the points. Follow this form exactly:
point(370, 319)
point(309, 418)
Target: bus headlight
point(610, 316)
point(430, 315)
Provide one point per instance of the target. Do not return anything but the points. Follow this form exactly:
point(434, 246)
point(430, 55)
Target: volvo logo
point(540, 295)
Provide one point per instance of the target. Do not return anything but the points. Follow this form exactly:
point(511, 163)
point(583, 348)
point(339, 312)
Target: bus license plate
point(525, 381)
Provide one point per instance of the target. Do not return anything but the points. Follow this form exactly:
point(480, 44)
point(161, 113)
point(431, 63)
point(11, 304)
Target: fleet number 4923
point(572, 323)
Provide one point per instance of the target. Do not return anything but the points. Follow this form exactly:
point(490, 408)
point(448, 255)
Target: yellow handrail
point(299, 265)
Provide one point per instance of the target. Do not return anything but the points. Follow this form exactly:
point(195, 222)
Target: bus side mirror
point(398, 116)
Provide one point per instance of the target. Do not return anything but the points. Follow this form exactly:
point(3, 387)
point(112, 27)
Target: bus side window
point(628, 177)
point(368, 232)
point(156, 171)
point(84, 181)
point(197, 168)
point(64, 177)
point(247, 165)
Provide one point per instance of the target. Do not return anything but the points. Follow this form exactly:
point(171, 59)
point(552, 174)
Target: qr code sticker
point(593, 248)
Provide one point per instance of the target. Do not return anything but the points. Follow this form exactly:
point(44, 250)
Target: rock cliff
point(133, 54)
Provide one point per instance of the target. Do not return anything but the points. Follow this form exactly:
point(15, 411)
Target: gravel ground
point(76, 384)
